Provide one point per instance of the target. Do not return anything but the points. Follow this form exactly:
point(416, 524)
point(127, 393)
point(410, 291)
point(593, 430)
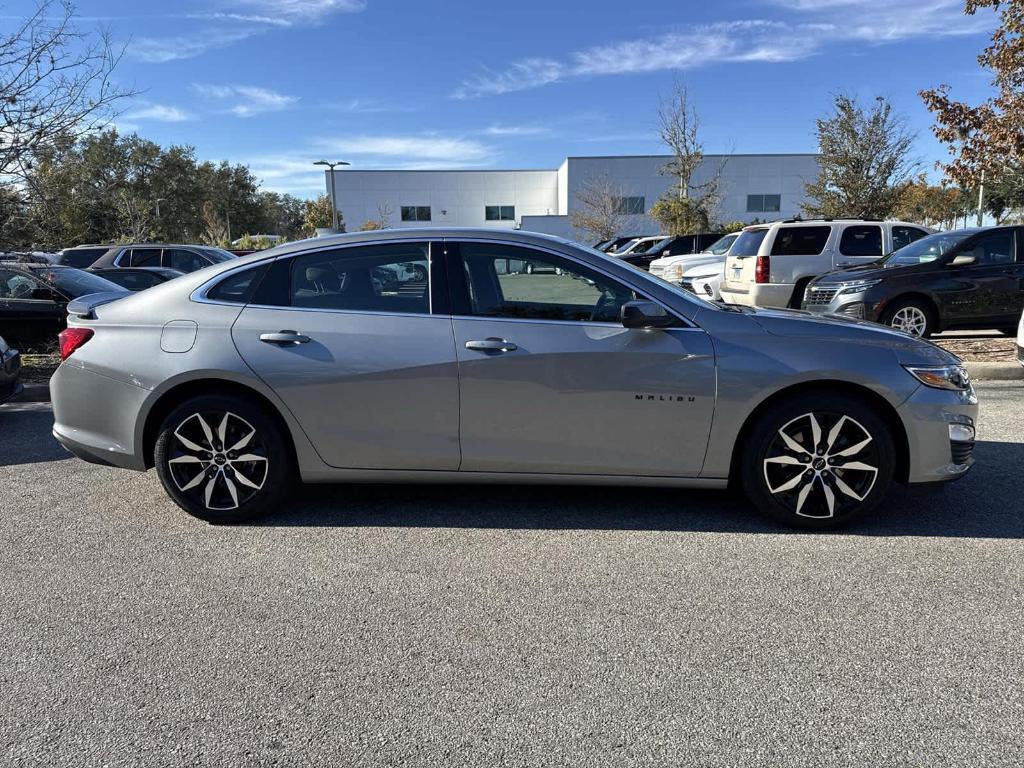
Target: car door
point(550, 380)
point(859, 244)
point(361, 352)
point(987, 288)
point(31, 312)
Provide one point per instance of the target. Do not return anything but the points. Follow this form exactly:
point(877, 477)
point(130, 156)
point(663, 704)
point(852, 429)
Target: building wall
point(459, 198)
point(456, 198)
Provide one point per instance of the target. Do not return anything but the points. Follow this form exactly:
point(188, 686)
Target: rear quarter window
point(240, 287)
point(800, 241)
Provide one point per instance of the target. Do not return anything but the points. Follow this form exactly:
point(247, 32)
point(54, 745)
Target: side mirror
point(962, 260)
point(646, 314)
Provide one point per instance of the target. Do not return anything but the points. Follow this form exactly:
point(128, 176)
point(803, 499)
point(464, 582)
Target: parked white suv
point(770, 265)
point(675, 268)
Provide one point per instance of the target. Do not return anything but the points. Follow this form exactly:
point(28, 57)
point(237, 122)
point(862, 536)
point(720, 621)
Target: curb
point(995, 371)
point(34, 393)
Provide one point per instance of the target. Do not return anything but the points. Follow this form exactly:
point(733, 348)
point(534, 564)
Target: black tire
point(893, 312)
point(796, 301)
point(854, 491)
point(182, 434)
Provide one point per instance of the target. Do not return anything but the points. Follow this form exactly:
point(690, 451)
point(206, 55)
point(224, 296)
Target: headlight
point(673, 272)
point(855, 286)
point(953, 377)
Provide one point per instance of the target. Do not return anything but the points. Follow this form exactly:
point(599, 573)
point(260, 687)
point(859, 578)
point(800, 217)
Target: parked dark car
point(34, 299)
point(81, 256)
point(10, 371)
point(968, 278)
point(136, 278)
point(184, 258)
point(678, 245)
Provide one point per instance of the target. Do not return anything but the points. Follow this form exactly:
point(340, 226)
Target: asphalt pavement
point(487, 626)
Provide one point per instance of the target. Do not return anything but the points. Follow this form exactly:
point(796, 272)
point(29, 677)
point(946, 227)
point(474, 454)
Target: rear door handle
point(285, 338)
point(492, 345)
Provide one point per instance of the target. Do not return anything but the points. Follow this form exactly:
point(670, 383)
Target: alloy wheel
point(821, 465)
point(218, 459)
point(910, 320)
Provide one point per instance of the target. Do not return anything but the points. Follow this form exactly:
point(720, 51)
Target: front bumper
point(95, 417)
point(936, 422)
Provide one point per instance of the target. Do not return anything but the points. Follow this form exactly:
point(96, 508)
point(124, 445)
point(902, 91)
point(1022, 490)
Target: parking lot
point(503, 625)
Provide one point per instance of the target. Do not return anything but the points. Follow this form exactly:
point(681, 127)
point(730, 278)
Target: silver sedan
point(477, 356)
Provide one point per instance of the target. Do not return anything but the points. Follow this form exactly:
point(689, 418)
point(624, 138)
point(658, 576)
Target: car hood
point(706, 270)
point(800, 324)
point(874, 271)
point(689, 260)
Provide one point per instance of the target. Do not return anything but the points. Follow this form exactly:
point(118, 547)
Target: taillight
point(71, 339)
point(762, 269)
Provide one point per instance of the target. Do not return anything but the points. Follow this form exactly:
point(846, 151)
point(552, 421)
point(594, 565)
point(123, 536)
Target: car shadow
point(26, 435)
point(985, 504)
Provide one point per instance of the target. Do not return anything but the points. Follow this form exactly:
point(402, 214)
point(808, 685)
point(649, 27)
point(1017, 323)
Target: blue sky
point(278, 84)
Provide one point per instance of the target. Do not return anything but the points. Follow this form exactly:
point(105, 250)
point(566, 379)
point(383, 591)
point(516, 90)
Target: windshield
point(721, 245)
point(219, 254)
point(927, 248)
point(652, 245)
point(75, 282)
point(625, 246)
point(748, 242)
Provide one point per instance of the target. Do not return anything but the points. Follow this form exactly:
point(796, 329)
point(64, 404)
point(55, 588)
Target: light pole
point(334, 199)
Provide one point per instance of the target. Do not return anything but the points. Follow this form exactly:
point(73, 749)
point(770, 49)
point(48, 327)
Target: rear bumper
point(758, 294)
point(95, 417)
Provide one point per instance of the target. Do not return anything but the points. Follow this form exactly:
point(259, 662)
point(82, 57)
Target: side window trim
point(459, 289)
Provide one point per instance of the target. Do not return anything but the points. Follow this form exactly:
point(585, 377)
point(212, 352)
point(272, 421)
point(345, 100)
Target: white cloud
point(516, 130)
point(240, 20)
point(245, 100)
point(816, 25)
point(160, 113)
point(410, 151)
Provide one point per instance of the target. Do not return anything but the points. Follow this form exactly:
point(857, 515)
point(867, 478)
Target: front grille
point(961, 450)
point(687, 283)
point(819, 296)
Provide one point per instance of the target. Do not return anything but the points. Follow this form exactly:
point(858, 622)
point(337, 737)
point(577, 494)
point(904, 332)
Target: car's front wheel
point(910, 316)
point(223, 459)
point(818, 461)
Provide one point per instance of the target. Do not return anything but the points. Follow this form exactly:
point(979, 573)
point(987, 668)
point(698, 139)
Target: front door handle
point(492, 345)
point(285, 338)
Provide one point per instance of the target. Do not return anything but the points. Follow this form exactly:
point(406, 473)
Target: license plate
point(737, 273)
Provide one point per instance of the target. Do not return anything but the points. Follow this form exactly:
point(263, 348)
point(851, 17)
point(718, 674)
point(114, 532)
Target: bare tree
point(686, 207)
point(134, 218)
point(600, 210)
point(384, 213)
point(55, 83)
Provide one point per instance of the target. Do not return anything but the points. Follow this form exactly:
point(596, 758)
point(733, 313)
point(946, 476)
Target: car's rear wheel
point(818, 461)
point(224, 459)
point(910, 316)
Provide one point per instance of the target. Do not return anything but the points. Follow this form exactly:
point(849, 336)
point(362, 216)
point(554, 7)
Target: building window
point(500, 212)
point(630, 206)
point(764, 203)
point(415, 213)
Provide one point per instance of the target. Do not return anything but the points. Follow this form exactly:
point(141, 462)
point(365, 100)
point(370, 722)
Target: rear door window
point(183, 260)
point(861, 240)
point(144, 257)
point(801, 241)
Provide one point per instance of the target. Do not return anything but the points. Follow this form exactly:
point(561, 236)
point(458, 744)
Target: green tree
point(317, 215)
point(864, 161)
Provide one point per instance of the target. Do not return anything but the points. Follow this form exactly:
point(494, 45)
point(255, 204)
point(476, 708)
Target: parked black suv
point(184, 258)
point(677, 245)
point(968, 278)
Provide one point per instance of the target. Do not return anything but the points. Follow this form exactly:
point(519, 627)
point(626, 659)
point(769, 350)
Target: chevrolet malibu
point(296, 363)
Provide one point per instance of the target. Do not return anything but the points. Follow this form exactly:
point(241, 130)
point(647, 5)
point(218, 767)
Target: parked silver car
point(235, 380)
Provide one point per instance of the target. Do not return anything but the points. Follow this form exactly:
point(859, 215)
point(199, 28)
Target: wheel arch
point(796, 299)
point(882, 406)
point(209, 385)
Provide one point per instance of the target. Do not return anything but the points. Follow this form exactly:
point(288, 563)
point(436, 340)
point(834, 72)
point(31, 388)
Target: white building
point(753, 186)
